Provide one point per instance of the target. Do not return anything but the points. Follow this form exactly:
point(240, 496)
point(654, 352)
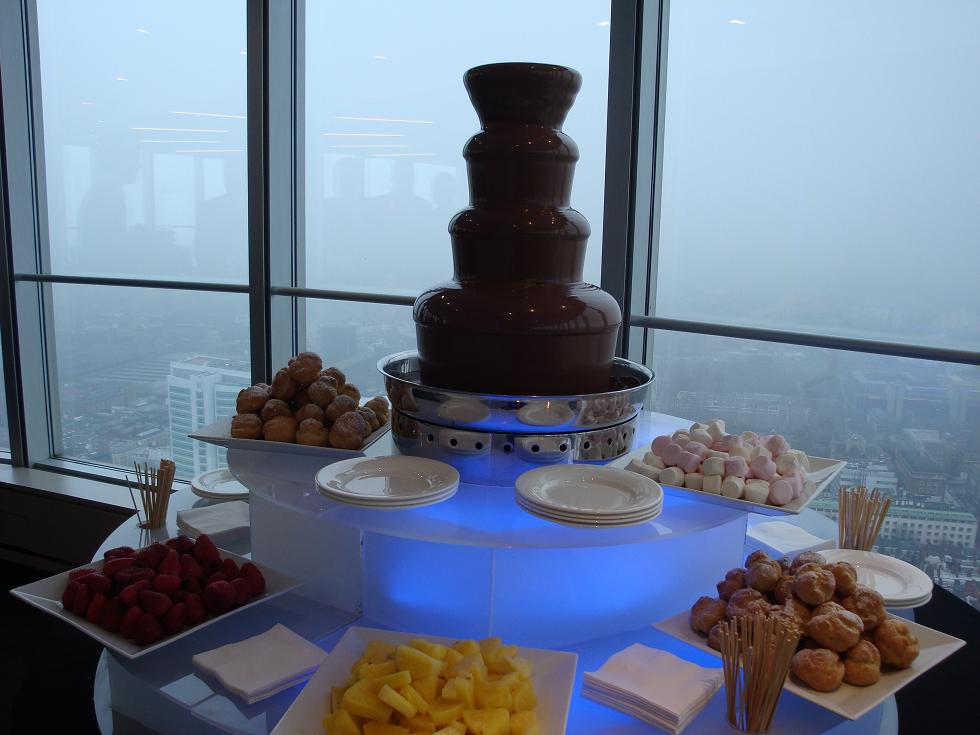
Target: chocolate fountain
point(515, 364)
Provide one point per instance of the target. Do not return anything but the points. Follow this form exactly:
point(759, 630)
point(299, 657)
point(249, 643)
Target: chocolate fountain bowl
point(492, 439)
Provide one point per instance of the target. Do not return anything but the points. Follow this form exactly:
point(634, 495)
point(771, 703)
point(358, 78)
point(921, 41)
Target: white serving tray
point(45, 594)
point(821, 474)
point(219, 434)
point(553, 678)
point(847, 701)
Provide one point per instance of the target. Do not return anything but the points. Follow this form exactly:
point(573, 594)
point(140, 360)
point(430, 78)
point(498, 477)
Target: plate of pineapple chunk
point(381, 682)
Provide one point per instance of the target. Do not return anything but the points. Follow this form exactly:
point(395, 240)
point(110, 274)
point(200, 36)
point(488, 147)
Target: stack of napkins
point(266, 664)
point(654, 686)
point(223, 522)
point(778, 539)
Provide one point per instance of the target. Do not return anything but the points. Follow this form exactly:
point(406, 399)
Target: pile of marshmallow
point(746, 466)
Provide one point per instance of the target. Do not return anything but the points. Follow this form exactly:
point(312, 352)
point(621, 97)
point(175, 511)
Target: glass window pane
point(907, 427)
point(144, 137)
point(4, 427)
point(387, 117)
point(823, 185)
point(137, 370)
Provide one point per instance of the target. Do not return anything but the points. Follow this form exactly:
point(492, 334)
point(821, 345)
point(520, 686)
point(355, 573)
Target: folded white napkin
point(223, 522)
point(653, 685)
point(778, 538)
point(258, 667)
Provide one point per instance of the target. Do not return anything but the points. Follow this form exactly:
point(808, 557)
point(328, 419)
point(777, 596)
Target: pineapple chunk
point(380, 728)
point(444, 711)
point(336, 694)
point(490, 647)
point(524, 723)
point(525, 700)
point(419, 723)
point(396, 701)
point(436, 650)
point(472, 663)
point(453, 728)
point(429, 687)
point(361, 701)
point(419, 664)
point(466, 647)
point(341, 723)
point(395, 681)
point(460, 689)
point(487, 721)
point(373, 671)
point(453, 656)
point(378, 651)
point(493, 694)
point(412, 695)
point(507, 664)
point(509, 680)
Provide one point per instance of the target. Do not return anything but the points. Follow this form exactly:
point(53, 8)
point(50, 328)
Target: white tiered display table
point(473, 566)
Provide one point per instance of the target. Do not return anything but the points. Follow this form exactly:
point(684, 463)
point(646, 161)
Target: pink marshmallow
point(736, 467)
point(689, 462)
point(796, 484)
point(780, 492)
point(764, 468)
point(777, 444)
point(681, 433)
point(658, 444)
point(671, 454)
point(727, 443)
point(697, 448)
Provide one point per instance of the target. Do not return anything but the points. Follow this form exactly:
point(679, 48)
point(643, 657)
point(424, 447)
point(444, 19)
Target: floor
point(47, 669)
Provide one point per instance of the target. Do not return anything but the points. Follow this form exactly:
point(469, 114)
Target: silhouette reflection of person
point(221, 229)
point(337, 256)
point(102, 239)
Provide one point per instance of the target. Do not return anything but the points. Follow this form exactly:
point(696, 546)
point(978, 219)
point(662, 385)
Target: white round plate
point(588, 490)
point(590, 520)
point(392, 503)
point(909, 605)
point(218, 484)
point(385, 480)
point(547, 510)
point(897, 581)
point(593, 523)
point(545, 413)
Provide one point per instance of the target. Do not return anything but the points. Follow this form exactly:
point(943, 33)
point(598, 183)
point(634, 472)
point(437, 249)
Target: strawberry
point(179, 596)
point(130, 595)
point(194, 586)
point(117, 564)
point(127, 625)
point(189, 568)
point(82, 600)
point(175, 619)
point(217, 577)
point(97, 582)
point(205, 550)
point(68, 596)
point(112, 616)
point(78, 574)
point(152, 555)
point(170, 564)
point(182, 544)
point(196, 612)
point(95, 608)
point(166, 583)
point(230, 568)
point(155, 603)
point(243, 591)
point(120, 551)
point(126, 577)
point(219, 596)
point(148, 630)
point(255, 578)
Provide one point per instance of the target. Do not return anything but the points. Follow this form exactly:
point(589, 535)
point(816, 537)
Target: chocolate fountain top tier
point(522, 93)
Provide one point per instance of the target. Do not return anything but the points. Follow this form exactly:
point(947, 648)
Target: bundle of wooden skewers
point(154, 486)
point(756, 654)
point(860, 517)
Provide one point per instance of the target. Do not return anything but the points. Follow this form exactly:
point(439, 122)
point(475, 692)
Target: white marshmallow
point(693, 480)
point(732, 487)
point(802, 458)
point(713, 466)
point(672, 476)
point(702, 436)
point(787, 463)
point(716, 427)
point(743, 451)
point(760, 451)
point(698, 426)
point(711, 485)
point(679, 433)
point(750, 437)
point(653, 460)
point(641, 468)
point(716, 453)
point(756, 491)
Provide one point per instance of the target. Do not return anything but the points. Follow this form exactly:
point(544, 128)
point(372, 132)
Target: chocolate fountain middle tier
point(517, 319)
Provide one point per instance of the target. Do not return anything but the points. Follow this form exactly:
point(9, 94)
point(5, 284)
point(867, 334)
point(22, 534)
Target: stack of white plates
point(901, 584)
point(584, 495)
point(388, 482)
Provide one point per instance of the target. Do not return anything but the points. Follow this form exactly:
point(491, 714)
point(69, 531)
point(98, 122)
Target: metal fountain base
point(492, 439)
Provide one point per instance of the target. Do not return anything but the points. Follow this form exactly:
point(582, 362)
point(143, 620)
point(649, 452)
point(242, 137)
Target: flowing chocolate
point(517, 319)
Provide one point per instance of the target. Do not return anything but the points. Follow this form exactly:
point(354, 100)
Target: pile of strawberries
point(161, 589)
